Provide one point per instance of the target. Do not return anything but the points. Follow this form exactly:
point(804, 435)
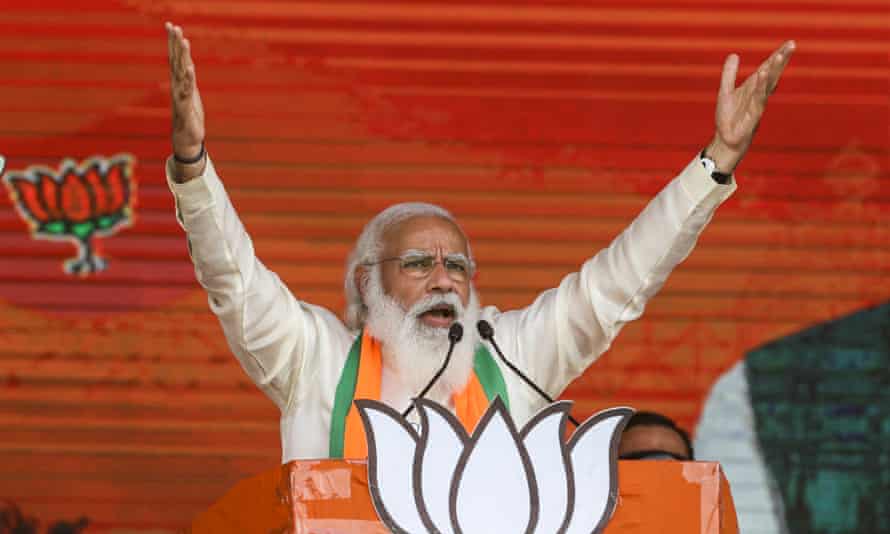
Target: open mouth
point(439, 315)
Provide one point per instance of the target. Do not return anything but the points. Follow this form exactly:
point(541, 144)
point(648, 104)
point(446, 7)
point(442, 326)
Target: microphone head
point(456, 332)
point(485, 329)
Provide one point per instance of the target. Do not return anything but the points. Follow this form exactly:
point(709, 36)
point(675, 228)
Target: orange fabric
point(729, 519)
point(367, 386)
point(469, 403)
point(651, 493)
point(255, 504)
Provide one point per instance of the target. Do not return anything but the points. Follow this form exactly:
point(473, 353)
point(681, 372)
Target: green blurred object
point(821, 401)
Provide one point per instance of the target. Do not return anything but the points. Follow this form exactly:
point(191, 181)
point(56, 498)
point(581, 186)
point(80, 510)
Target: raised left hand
point(739, 109)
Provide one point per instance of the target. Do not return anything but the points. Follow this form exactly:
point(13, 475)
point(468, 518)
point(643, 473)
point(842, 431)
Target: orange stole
point(469, 403)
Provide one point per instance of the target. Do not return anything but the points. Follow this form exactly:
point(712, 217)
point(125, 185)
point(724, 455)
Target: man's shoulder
point(490, 313)
point(329, 322)
point(325, 352)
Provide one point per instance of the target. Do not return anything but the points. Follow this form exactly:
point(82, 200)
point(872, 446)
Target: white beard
point(414, 351)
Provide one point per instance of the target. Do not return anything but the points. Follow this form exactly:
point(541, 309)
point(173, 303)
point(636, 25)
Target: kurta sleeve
point(568, 327)
point(267, 328)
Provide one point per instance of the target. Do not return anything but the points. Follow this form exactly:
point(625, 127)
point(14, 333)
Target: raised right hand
point(188, 113)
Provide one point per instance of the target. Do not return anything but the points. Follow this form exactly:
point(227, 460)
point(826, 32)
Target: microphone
point(455, 333)
point(487, 333)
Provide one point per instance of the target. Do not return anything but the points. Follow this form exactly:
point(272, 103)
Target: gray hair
point(369, 245)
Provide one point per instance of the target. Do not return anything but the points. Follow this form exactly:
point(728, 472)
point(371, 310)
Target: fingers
point(753, 98)
point(178, 49)
point(739, 109)
point(169, 28)
point(759, 94)
point(730, 71)
point(187, 56)
point(185, 50)
point(777, 63)
point(182, 69)
point(772, 68)
point(173, 51)
point(763, 82)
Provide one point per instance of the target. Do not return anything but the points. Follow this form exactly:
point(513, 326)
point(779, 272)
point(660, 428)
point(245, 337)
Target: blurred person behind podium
point(653, 436)
point(410, 277)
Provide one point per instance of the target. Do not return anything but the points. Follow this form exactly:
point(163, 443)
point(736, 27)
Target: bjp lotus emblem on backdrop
point(443, 481)
point(78, 204)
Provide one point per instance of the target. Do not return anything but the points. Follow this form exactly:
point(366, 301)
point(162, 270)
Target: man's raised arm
point(567, 328)
point(267, 329)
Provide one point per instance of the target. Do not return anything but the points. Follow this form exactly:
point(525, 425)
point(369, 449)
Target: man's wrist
point(190, 159)
point(187, 169)
point(725, 159)
point(711, 168)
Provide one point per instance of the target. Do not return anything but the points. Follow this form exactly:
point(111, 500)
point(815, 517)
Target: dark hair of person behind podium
point(652, 436)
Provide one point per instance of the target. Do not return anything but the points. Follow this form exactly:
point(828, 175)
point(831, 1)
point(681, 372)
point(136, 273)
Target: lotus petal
point(594, 455)
point(542, 437)
point(118, 181)
point(28, 199)
point(494, 474)
point(442, 440)
point(391, 448)
point(96, 184)
point(75, 198)
point(49, 194)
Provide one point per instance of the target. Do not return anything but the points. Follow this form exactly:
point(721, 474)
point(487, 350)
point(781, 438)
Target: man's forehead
point(654, 437)
point(429, 233)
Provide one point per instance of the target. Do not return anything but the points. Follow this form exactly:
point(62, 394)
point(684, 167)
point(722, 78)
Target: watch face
point(709, 164)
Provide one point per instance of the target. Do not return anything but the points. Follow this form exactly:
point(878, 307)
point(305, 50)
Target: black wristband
point(190, 161)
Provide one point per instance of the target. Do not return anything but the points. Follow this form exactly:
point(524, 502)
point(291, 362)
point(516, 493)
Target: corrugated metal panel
point(544, 125)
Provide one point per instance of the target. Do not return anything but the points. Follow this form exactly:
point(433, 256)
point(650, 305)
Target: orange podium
point(331, 496)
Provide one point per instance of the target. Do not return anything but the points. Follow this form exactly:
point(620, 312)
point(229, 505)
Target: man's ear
point(360, 279)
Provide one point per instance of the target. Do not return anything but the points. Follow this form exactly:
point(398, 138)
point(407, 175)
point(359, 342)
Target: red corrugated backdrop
point(545, 126)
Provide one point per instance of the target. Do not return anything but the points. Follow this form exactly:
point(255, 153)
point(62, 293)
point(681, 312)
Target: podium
point(332, 497)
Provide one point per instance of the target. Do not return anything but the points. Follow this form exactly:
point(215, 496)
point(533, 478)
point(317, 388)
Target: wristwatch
point(711, 167)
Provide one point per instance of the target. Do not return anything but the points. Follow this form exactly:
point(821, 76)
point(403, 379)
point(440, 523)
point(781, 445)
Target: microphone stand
point(487, 333)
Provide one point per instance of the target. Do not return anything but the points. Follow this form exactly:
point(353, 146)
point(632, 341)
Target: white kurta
point(294, 351)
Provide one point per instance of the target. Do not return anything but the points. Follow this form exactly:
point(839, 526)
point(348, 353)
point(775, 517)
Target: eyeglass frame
point(437, 259)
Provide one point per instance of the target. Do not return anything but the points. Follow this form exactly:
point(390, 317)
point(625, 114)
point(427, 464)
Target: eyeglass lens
point(420, 266)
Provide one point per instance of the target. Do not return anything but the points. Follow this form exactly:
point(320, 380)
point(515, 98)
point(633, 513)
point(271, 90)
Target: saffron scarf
point(361, 379)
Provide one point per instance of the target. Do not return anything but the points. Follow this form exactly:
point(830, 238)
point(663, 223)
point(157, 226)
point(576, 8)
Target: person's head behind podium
point(408, 279)
point(652, 436)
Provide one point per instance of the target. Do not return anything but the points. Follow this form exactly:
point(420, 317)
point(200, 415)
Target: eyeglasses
point(419, 264)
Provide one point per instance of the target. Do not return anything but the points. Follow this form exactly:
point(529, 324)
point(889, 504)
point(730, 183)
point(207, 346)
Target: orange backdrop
point(545, 126)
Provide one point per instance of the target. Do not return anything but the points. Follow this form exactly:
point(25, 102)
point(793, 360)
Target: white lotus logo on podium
point(501, 480)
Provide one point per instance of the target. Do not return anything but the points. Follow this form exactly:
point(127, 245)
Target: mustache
point(431, 301)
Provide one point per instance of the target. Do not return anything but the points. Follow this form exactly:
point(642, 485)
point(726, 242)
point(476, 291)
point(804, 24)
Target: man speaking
point(409, 279)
